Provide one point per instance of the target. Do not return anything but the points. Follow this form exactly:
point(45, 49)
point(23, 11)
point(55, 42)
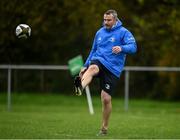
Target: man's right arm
point(87, 63)
point(93, 50)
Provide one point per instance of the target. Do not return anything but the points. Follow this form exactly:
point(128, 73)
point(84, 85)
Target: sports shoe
point(78, 86)
point(102, 132)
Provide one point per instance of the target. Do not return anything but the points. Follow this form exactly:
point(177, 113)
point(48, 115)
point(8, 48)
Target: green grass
point(56, 116)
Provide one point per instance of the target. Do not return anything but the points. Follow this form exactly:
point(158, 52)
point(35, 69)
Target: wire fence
point(127, 71)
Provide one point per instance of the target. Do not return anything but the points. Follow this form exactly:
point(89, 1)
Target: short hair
point(113, 12)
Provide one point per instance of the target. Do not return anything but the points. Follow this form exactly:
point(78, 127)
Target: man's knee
point(94, 69)
point(105, 97)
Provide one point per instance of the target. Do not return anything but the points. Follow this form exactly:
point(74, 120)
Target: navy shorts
point(108, 81)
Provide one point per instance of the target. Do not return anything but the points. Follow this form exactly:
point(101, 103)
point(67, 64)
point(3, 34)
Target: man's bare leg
point(106, 109)
point(88, 75)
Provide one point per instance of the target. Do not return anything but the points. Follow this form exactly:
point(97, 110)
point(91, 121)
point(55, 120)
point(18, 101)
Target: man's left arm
point(129, 43)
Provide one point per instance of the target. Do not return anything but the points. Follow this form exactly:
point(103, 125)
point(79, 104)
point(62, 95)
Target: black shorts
point(108, 81)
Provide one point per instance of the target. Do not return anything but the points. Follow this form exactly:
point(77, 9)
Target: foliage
point(62, 29)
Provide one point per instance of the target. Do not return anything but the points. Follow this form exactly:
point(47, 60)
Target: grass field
point(55, 116)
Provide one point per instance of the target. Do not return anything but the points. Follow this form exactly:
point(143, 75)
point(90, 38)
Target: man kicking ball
point(106, 61)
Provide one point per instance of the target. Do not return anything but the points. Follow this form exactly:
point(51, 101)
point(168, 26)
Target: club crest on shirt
point(112, 39)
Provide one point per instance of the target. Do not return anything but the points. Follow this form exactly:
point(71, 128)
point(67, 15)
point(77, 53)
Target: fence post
point(9, 90)
point(126, 96)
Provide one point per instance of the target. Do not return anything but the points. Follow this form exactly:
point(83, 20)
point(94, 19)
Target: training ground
point(36, 116)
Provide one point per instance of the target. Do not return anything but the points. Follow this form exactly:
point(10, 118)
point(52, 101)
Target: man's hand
point(116, 49)
point(83, 70)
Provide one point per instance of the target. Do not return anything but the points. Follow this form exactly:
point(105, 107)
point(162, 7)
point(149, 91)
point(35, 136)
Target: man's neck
point(114, 25)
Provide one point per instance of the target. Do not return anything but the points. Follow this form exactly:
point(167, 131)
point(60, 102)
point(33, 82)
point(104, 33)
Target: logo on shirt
point(112, 39)
point(99, 39)
point(130, 38)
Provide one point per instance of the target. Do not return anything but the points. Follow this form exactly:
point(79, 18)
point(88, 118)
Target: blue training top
point(103, 42)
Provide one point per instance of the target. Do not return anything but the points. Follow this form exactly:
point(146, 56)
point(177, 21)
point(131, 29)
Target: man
point(106, 61)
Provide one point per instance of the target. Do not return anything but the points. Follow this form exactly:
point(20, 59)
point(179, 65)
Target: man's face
point(109, 21)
